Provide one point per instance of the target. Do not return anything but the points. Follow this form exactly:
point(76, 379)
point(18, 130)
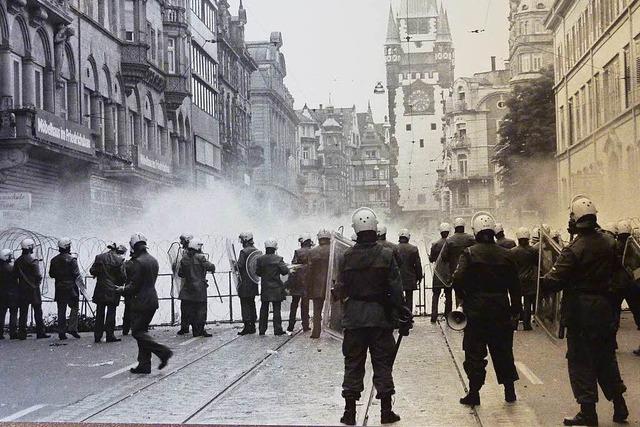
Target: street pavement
point(285, 380)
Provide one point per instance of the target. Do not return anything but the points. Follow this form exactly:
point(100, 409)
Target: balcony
point(457, 177)
point(460, 143)
point(456, 106)
point(57, 11)
point(174, 15)
point(311, 163)
point(176, 90)
point(134, 64)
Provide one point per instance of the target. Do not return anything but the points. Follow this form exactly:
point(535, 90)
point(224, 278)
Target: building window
point(627, 78)
point(128, 35)
point(38, 87)
point(208, 154)
point(422, 199)
point(371, 154)
point(305, 153)
point(171, 55)
point(434, 126)
point(422, 143)
point(525, 63)
point(17, 82)
point(536, 60)
point(206, 12)
point(524, 28)
point(408, 127)
point(462, 165)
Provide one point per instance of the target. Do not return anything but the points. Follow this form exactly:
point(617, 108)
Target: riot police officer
point(142, 273)
point(247, 288)
point(108, 269)
point(27, 269)
point(193, 269)
point(441, 275)
point(369, 283)
point(623, 286)
point(270, 267)
point(184, 307)
point(501, 239)
point(487, 282)
point(8, 294)
point(410, 267)
point(64, 269)
point(583, 271)
point(456, 244)
point(298, 285)
point(382, 239)
point(317, 278)
point(526, 259)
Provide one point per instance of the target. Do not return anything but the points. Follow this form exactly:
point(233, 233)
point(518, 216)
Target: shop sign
point(57, 130)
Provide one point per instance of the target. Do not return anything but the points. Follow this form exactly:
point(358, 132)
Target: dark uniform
point(456, 244)
point(64, 269)
point(142, 273)
point(410, 271)
point(29, 276)
point(438, 284)
point(583, 271)
point(526, 259)
point(623, 286)
point(193, 294)
point(247, 291)
point(108, 269)
point(487, 281)
point(270, 267)
point(297, 285)
point(8, 299)
point(503, 242)
point(370, 284)
point(317, 282)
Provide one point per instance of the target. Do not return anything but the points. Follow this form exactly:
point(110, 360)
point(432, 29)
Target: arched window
point(148, 125)
point(20, 44)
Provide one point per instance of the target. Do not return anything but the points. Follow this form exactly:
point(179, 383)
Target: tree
point(527, 146)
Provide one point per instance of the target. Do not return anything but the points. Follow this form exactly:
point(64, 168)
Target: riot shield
point(631, 258)
point(548, 305)
point(441, 269)
point(175, 255)
point(332, 312)
point(252, 264)
point(233, 263)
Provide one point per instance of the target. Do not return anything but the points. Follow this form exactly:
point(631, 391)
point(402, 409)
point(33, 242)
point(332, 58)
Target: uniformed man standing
point(297, 285)
point(382, 239)
point(456, 244)
point(369, 284)
point(317, 278)
point(247, 288)
point(64, 269)
point(440, 277)
point(270, 267)
point(410, 267)
point(142, 273)
point(583, 271)
point(487, 282)
point(526, 259)
point(108, 269)
point(501, 239)
point(193, 294)
point(27, 269)
point(8, 294)
point(623, 286)
point(185, 314)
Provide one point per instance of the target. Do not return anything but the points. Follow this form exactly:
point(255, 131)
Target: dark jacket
point(142, 273)
point(27, 269)
point(247, 288)
point(297, 283)
point(622, 281)
point(9, 291)
point(506, 243)
point(410, 266)
point(64, 269)
point(583, 271)
point(487, 281)
point(318, 272)
point(193, 268)
point(442, 268)
point(456, 244)
point(394, 248)
point(270, 267)
point(108, 269)
point(369, 282)
point(526, 259)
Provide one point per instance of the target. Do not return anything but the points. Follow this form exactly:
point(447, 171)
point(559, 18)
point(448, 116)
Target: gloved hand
point(404, 331)
point(119, 290)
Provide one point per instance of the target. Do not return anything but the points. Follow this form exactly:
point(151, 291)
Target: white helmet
point(382, 230)
point(364, 219)
point(555, 234)
point(137, 238)
point(624, 227)
point(305, 237)
point(27, 244)
point(6, 254)
point(195, 244)
point(536, 232)
point(523, 233)
point(459, 222)
point(354, 237)
point(482, 221)
point(404, 233)
point(186, 237)
point(611, 227)
point(445, 226)
point(323, 234)
point(271, 243)
point(546, 228)
point(246, 236)
point(64, 243)
point(582, 206)
point(499, 228)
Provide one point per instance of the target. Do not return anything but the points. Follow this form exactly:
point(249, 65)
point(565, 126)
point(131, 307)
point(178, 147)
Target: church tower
point(419, 58)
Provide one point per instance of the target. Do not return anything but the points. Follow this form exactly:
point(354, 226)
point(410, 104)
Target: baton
point(215, 282)
point(395, 353)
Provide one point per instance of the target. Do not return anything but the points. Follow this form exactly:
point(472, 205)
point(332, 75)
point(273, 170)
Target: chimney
point(493, 63)
point(321, 106)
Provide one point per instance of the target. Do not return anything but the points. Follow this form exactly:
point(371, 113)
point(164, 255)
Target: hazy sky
point(336, 46)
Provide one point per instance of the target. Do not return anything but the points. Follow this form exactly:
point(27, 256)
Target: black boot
point(620, 410)
point(387, 416)
point(510, 393)
point(245, 329)
point(586, 417)
point(349, 417)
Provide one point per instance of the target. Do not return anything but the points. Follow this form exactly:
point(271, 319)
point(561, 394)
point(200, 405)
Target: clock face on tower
point(419, 99)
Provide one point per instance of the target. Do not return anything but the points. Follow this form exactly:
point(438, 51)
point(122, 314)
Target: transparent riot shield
point(548, 306)
point(332, 312)
point(631, 258)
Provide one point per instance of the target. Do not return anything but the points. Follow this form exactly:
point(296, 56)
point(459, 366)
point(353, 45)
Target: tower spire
point(393, 35)
point(444, 31)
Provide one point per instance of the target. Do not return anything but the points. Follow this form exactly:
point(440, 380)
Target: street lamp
point(379, 89)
